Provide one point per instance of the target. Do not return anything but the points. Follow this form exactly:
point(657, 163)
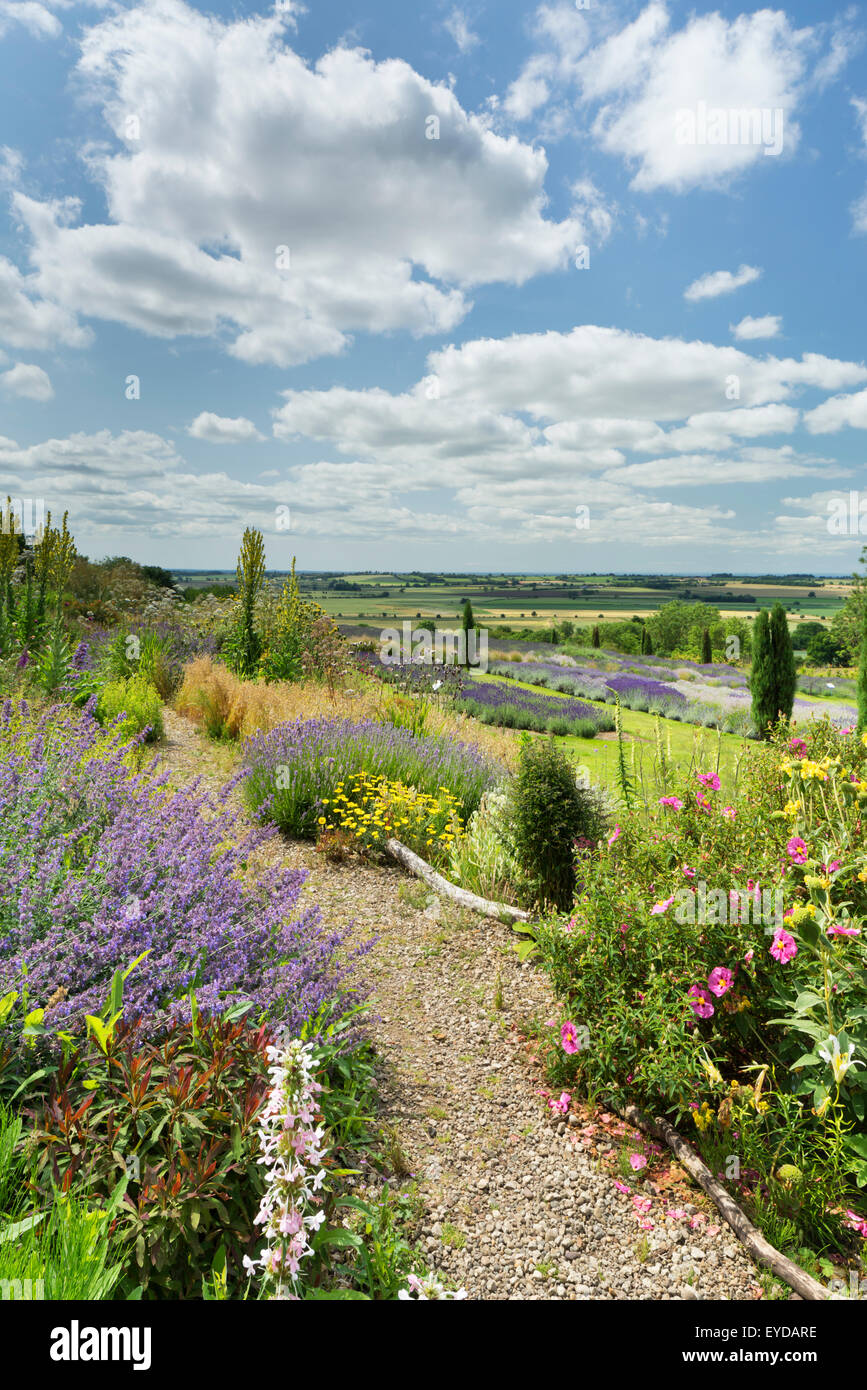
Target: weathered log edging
point(752, 1239)
point(504, 912)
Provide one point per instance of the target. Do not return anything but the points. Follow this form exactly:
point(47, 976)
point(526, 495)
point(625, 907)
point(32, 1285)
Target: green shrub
point(138, 701)
point(547, 813)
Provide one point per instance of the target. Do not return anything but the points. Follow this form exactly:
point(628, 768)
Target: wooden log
point(503, 912)
point(752, 1239)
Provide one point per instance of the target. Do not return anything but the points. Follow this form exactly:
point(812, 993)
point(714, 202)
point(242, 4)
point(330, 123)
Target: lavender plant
point(100, 863)
point(291, 768)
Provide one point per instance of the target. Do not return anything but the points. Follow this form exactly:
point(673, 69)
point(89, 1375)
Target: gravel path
point(517, 1204)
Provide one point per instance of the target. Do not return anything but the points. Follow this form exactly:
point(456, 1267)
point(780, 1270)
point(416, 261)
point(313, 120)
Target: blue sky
point(431, 373)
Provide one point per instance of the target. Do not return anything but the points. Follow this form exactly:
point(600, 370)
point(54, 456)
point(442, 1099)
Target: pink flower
point(560, 1107)
point(702, 802)
point(710, 779)
point(676, 1214)
point(621, 1186)
point(642, 1204)
point(797, 850)
point(729, 812)
point(645, 1224)
point(720, 981)
point(616, 835)
point(569, 1038)
point(637, 1162)
point(661, 907)
point(673, 801)
point(783, 947)
point(688, 872)
point(856, 1223)
point(837, 930)
point(748, 957)
point(699, 1002)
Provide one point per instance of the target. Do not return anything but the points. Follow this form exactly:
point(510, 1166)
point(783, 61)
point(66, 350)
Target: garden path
point(517, 1203)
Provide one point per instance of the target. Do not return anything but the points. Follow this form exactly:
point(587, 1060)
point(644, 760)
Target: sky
point(573, 286)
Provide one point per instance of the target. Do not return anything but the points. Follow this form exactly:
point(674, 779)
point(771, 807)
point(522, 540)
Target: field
point(539, 601)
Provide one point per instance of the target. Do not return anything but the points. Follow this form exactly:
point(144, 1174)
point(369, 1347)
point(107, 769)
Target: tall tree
point(468, 622)
point(862, 675)
point(772, 680)
point(706, 652)
point(596, 640)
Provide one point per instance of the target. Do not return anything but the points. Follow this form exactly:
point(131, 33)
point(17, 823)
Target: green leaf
point(344, 1240)
point(19, 1227)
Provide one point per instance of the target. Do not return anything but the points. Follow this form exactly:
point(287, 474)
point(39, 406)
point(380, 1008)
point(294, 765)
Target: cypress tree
point(784, 661)
point(772, 680)
point(468, 622)
point(595, 640)
point(706, 652)
point(646, 642)
point(862, 669)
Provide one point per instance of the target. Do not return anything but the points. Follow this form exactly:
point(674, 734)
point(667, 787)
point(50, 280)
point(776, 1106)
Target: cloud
point(35, 18)
point(640, 83)
point(136, 482)
point(25, 379)
point(29, 321)
point(456, 24)
point(523, 429)
point(750, 328)
point(563, 34)
point(600, 371)
point(651, 79)
point(220, 429)
point(249, 180)
point(834, 414)
point(718, 282)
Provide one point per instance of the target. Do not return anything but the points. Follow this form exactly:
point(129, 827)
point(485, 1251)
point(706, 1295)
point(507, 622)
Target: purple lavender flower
point(99, 864)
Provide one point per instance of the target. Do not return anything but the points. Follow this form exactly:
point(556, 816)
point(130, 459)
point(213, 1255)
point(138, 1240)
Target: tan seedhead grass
point(229, 708)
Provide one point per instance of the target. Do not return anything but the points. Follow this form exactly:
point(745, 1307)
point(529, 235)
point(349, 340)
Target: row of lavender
point(102, 864)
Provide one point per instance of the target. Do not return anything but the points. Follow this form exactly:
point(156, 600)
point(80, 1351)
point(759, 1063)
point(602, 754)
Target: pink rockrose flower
point(783, 947)
point(720, 981)
point(659, 908)
point(673, 801)
point(615, 835)
point(561, 1106)
point(699, 1002)
point(729, 812)
point(569, 1038)
point(837, 929)
point(710, 779)
point(637, 1162)
point(688, 872)
point(797, 850)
